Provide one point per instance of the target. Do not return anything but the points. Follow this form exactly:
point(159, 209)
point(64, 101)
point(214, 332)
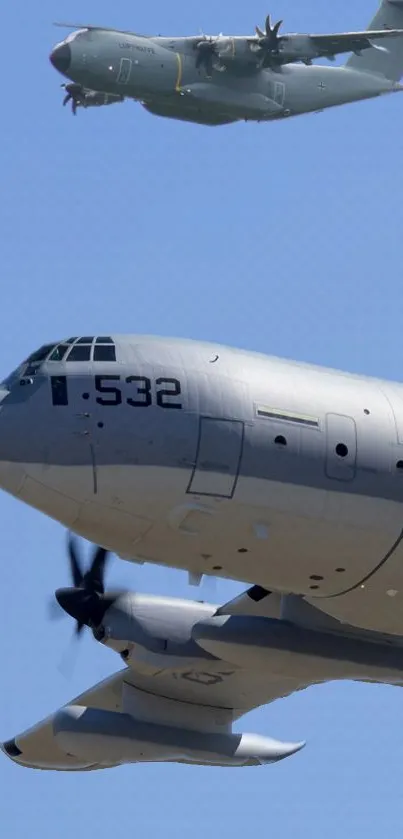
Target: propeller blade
point(76, 572)
point(277, 27)
point(55, 611)
point(95, 576)
point(268, 26)
point(68, 659)
point(206, 52)
point(85, 600)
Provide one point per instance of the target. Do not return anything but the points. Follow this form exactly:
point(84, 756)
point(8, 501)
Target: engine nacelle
point(255, 642)
point(108, 737)
point(94, 99)
point(148, 630)
point(298, 48)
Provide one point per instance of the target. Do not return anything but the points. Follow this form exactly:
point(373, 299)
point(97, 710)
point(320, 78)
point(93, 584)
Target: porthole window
point(280, 440)
point(341, 450)
point(399, 464)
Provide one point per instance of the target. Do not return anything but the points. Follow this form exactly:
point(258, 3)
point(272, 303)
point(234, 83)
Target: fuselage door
point(341, 447)
point(279, 93)
point(218, 458)
point(125, 69)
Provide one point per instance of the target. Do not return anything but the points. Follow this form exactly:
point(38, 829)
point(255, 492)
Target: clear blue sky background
point(282, 238)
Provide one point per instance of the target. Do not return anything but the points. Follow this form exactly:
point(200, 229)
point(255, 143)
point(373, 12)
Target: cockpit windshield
point(77, 349)
point(41, 354)
point(74, 36)
point(78, 33)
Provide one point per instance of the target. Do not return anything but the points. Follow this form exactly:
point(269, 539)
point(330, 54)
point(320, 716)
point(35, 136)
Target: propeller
point(85, 600)
point(74, 93)
point(269, 41)
point(207, 54)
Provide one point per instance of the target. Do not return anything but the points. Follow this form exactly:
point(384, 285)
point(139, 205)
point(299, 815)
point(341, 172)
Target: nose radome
point(60, 57)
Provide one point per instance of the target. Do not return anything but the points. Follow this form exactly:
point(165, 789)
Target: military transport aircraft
point(192, 669)
point(221, 79)
point(217, 461)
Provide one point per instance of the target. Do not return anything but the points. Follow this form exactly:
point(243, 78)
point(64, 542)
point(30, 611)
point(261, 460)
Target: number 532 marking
point(166, 390)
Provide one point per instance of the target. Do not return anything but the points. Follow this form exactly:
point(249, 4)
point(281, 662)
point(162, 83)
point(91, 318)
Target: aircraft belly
point(277, 549)
point(186, 111)
point(284, 537)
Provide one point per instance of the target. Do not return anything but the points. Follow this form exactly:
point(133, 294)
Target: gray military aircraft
point(221, 79)
point(192, 669)
point(217, 461)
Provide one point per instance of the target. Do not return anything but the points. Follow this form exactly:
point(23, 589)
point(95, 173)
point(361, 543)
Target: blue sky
point(284, 239)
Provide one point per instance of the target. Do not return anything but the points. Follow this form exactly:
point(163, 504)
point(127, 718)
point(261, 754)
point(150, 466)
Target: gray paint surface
point(219, 461)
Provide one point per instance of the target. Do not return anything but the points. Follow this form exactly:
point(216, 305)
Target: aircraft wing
point(215, 688)
point(351, 41)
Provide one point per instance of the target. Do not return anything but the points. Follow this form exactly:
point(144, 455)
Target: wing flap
point(353, 41)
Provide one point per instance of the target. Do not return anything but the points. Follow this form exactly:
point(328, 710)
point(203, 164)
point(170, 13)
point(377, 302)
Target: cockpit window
point(74, 36)
point(40, 354)
point(104, 352)
point(84, 348)
point(59, 352)
point(80, 352)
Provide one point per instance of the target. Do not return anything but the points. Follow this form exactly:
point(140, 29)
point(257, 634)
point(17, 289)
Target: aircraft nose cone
point(60, 57)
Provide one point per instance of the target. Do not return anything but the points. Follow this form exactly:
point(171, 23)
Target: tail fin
point(389, 63)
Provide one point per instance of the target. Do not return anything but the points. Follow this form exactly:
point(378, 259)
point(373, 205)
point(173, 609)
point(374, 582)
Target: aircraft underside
point(344, 554)
point(192, 670)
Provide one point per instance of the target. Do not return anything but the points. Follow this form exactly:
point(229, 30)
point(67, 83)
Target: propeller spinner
point(74, 93)
point(85, 600)
point(207, 55)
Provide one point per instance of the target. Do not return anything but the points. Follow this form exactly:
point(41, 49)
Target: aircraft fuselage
point(162, 74)
point(218, 461)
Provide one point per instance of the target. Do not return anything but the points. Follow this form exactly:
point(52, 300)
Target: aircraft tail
point(388, 63)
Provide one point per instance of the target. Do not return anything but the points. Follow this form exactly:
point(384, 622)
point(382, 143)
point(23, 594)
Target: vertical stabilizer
point(388, 61)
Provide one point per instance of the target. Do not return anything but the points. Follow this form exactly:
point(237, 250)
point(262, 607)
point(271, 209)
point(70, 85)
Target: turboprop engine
point(193, 669)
